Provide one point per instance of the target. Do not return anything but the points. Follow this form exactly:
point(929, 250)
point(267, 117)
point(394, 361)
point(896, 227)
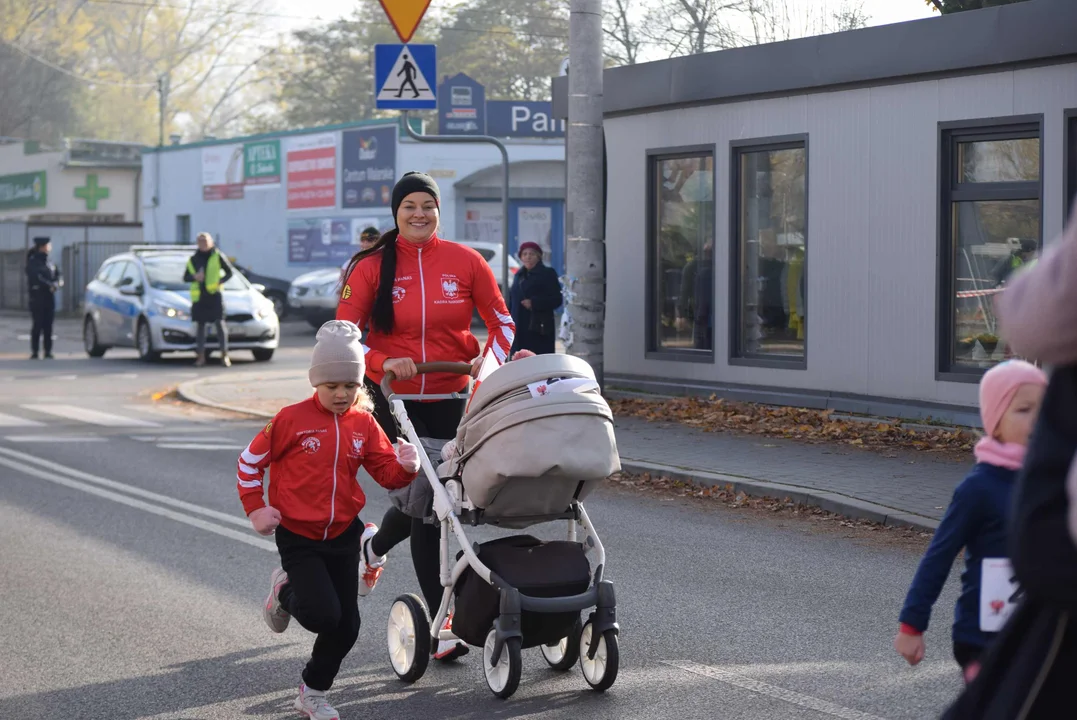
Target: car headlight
point(170, 311)
point(264, 312)
point(327, 288)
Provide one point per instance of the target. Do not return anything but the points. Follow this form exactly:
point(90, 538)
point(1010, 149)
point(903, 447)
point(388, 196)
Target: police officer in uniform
point(43, 279)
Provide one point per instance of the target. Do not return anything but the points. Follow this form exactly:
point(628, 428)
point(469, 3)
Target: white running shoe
point(369, 569)
point(275, 616)
point(450, 649)
point(314, 704)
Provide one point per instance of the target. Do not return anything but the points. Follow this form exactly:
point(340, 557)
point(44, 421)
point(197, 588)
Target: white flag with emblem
point(489, 364)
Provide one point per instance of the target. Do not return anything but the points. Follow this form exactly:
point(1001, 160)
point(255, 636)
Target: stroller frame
point(448, 513)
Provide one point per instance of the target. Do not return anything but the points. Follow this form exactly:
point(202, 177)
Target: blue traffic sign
point(404, 77)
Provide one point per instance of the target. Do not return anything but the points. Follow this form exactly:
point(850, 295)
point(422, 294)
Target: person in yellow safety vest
point(1025, 255)
point(207, 273)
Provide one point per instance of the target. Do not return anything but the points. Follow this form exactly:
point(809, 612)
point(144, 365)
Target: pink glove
point(408, 456)
point(522, 354)
point(265, 520)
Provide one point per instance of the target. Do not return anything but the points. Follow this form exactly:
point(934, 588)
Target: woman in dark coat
point(207, 274)
point(535, 294)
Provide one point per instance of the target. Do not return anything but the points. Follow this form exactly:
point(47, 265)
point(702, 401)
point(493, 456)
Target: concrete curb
point(829, 501)
point(189, 392)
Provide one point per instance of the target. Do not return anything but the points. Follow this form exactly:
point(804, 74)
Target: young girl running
point(315, 448)
point(1010, 396)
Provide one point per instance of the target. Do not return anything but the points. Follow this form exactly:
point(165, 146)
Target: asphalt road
point(131, 586)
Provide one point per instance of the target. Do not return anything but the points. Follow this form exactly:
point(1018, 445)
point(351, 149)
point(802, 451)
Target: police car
point(139, 299)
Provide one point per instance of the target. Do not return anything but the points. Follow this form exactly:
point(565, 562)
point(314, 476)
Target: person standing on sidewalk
point(418, 293)
point(976, 520)
point(43, 279)
point(535, 294)
point(207, 272)
point(314, 450)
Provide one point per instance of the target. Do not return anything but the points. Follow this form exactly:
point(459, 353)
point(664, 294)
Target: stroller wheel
point(600, 672)
point(409, 638)
point(563, 655)
point(504, 677)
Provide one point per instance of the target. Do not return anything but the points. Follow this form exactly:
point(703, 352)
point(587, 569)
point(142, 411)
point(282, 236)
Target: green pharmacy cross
point(91, 193)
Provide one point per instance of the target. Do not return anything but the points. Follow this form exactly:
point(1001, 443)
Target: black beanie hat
point(413, 182)
point(41, 242)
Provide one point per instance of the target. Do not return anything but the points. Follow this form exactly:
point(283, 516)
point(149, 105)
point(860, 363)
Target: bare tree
point(689, 27)
point(620, 29)
point(775, 20)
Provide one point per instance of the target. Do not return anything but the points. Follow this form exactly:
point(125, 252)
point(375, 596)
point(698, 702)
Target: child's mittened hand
point(910, 647)
point(265, 520)
point(408, 456)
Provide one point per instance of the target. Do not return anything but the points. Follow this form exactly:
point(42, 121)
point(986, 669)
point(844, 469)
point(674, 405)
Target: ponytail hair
point(381, 317)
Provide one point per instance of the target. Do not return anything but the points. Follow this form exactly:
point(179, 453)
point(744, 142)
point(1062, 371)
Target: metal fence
point(13, 295)
point(79, 264)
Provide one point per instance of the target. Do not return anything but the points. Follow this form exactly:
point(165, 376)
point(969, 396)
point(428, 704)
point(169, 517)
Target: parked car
point(139, 299)
point(275, 289)
point(314, 295)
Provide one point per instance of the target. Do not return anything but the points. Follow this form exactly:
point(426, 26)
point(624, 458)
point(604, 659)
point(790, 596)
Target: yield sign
point(405, 15)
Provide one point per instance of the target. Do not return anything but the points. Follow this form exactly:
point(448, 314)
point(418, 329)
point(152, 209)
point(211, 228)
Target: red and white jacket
point(438, 285)
point(315, 455)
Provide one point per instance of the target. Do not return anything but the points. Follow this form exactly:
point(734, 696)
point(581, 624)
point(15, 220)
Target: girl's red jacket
point(315, 456)
point(438, 285)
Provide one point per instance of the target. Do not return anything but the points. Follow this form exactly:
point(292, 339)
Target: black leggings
point(437, 419)
point(323, 579)
point(42, 310)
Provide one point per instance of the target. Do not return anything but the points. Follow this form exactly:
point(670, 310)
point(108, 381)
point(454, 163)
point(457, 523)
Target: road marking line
point(199, 446)
point(15, 421)
point(123, 487)
point(773, 691)
point(54, 438)
point(131, 502)
point(168, 412)
point(93, 417)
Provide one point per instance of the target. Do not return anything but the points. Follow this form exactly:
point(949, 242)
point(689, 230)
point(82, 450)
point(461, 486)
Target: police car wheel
point(89, 339)
point(144, 343)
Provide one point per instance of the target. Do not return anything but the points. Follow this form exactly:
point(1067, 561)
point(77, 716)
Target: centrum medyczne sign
point(25, 190)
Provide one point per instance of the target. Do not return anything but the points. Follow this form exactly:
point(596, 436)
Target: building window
point(769, 251)
point(681, 251)
point(183, 229)
point(1071, 160)
point(990, 225)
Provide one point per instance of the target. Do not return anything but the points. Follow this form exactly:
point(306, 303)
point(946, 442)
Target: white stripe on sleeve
point(250, 458)
point(249, 483)
point(247, 469)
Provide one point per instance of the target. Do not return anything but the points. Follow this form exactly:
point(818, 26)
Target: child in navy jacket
point(1010, 396)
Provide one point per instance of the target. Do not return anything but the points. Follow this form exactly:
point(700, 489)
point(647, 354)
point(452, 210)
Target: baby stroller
point(537, 438)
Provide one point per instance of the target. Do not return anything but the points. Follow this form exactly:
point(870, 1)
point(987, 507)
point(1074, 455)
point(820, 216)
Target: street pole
point(583, 323)
point(506, 280)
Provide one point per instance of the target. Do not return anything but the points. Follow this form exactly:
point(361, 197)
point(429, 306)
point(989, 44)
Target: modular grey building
point(826, 221)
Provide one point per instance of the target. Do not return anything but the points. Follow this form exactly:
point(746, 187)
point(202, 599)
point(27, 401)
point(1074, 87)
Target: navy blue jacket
point(534, 328)
point(976, 520)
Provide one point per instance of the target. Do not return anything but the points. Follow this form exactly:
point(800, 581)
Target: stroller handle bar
point(454, 368)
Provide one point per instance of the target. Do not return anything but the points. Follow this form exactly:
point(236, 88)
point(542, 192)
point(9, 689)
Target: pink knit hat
point(1000, 384)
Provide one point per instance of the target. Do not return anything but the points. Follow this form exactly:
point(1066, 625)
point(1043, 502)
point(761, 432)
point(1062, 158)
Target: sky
point(881, 11)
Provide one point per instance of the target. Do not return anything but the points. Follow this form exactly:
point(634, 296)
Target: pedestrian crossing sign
point(405, 77)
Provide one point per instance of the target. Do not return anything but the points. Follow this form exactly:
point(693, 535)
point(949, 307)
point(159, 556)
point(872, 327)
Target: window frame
point(1069, 155)
point(652, 156)
point(950, 191)
point(738, 148)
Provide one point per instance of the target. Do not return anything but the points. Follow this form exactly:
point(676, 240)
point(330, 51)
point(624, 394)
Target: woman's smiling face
point(417, 217)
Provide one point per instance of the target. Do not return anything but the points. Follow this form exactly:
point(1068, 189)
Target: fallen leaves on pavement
point(812, 426)
point(727, 496)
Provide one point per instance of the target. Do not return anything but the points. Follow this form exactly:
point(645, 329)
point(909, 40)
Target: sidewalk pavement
point(909, 489)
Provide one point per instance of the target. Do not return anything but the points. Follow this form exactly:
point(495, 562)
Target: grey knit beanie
point(338, 354)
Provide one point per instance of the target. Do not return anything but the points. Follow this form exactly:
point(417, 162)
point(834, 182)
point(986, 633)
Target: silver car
point(139, 299)
point(315, 295)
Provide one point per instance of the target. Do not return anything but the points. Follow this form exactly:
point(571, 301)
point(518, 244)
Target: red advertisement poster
point(312, 172)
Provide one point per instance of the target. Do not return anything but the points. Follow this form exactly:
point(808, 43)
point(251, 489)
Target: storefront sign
point(261, 163)
point(25, 190)
point(369, 167)
point(222, 172)
point(461, 106)
point(331, 241)
point(312, 172)
point(520, 118)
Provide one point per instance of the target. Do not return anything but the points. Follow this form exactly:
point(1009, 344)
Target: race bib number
point(998, 587)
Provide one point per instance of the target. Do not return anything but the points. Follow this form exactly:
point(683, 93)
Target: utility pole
point(583, 323)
